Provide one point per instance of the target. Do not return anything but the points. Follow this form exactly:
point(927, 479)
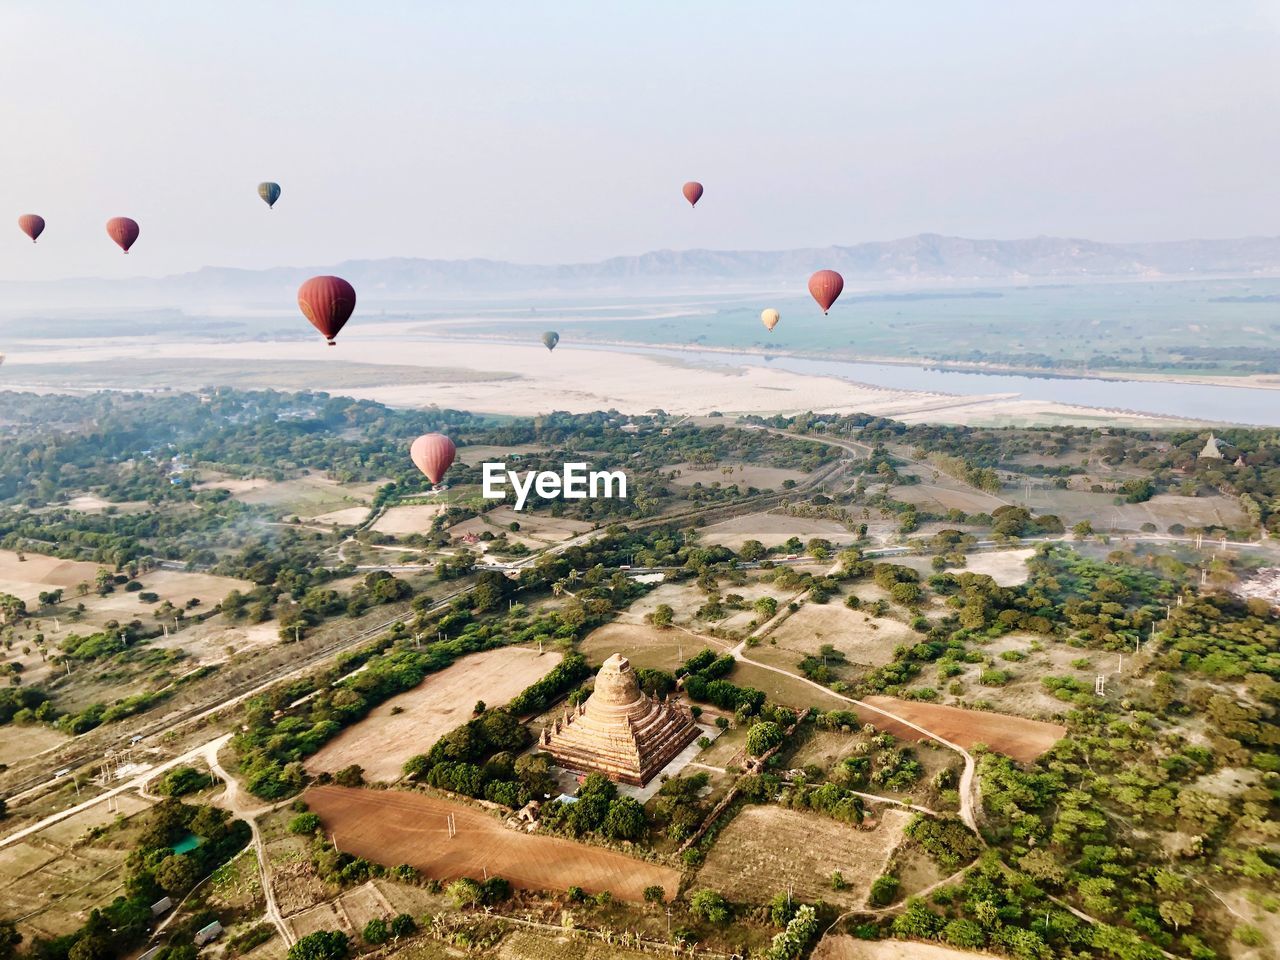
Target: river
point(1251, 406)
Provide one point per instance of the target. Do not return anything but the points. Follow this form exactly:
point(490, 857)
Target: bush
point(304, 823)
point(763, 737)
point(403, 925)
point(465, 892)
point(710, 906)
point(321, 945)
point(884, 890)
point(375, 931)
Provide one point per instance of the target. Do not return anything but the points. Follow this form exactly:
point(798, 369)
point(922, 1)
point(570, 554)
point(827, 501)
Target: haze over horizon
point(561, 134)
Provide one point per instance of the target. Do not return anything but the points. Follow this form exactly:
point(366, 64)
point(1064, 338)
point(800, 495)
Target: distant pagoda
point(620, 731)
point(1211, 449)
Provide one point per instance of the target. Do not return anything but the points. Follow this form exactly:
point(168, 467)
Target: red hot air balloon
point(328, 303)
point(825, 287)
point(32, 225)
point(692, 192)
point(123, 231)
point(433, 454)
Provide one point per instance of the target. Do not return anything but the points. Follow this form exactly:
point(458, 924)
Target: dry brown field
point(50, 881)
point(345, 517)
point(1008, 568)
point(1017, 737)
point(865, 640)
point(235, 486)
point(27, 579)
point(684, 598)
point(88, 503)
point(1105, 514)
point(642, 644)
point(1024, 695)
point(843, 947)
point(394, 826)
point(544, 945)
point(384, 740)
point(743, 474)
point(408, 518)
point(940, 498)
point(536, 529)
point(324, 916)
point(176, 586)
point(18, 743)
point(309, 495)
point(772, 529)
point(781, 688)
point(765, 848)
point(364, 903)
point(488, 453)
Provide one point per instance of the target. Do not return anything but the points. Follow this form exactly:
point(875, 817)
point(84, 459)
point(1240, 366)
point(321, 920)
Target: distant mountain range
point(925, 259)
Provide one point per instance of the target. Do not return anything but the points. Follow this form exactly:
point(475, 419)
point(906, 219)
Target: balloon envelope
point(692, 192)
point(328, 303)
point(123, 231)
point(270, 192)
point(770, 317)
point(550, 339)
point(433, 454)
point(825, 287)
point(32, 225)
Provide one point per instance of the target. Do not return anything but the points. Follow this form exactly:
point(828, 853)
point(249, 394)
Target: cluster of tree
point(678, 808)
point(480, 759)
point(946, 839)
point(598, 809)
point(827, 798)
point(566, 675)
point(703, 673)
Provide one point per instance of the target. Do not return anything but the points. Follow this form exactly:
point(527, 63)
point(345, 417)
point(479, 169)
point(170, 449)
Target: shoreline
point(1252, 381)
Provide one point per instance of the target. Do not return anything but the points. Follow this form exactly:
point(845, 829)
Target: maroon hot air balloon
point(692, 192)
point(328, 303)
point(32, 225)
point(123, 231)
point(433, 454)
point(825, 287)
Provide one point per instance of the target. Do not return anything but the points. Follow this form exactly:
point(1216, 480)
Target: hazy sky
point(555, 131)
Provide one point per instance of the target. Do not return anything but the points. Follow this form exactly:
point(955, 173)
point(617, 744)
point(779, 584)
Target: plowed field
point(392, 827)
point(1017, 737)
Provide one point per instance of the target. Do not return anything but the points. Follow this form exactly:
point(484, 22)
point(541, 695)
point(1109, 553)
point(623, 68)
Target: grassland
point(799, 850)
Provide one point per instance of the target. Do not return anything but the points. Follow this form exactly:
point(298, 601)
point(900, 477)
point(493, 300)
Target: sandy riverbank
point(518, 379)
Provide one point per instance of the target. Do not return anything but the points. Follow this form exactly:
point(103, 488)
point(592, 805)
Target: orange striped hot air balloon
point(433, 454)
point(825, 287)
point(123, 231)
point(692, 192)
point(328, 303)
point(32, 224)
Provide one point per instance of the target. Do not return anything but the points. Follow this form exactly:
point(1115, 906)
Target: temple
point(620, 731)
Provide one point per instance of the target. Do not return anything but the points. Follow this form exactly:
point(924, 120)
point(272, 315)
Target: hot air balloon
point(770, 317)
point(692, 192)
point(328, 303)
point(825, 287)
point(270, 192)
point(32, 225)
point(433, 453)
point(123, 231)
point(550, 339)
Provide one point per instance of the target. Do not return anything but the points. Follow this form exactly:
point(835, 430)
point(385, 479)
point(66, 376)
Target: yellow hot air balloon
point(770, 317)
